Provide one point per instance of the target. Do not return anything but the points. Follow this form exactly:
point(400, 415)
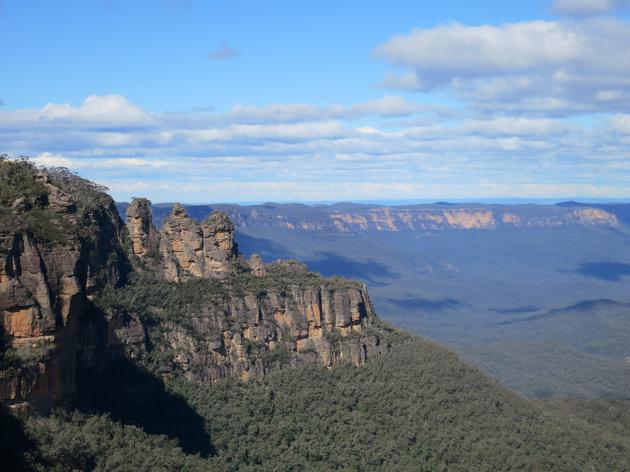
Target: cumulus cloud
point(104, 110)
point(48, 159)
point(537, 66)
point(222, 53)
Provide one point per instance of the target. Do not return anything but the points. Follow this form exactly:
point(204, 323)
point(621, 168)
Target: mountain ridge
point(349, 218)
point(139, 347)
point(100, 292)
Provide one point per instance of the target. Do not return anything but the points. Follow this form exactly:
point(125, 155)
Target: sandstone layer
point(416, 218)
point(250, 334)
point(68, 296)
point(187, 248)
point(56, 253)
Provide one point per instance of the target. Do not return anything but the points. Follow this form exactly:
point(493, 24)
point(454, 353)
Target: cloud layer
point(529, 109)
point(389, 147)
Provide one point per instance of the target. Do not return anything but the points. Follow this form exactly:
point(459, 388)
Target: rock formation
point(219, 249)
point(248, 335)
point(351, 218)
point(63, 245)
point(257, 265)
point(181, 246)
point(187, 248)
point(55, 254)
point(144, 237)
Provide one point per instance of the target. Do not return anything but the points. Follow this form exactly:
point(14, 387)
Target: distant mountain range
point(497, 282)
point(350, 217)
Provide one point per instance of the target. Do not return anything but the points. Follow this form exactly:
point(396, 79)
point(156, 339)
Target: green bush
point(18, 178)
point(48, 226)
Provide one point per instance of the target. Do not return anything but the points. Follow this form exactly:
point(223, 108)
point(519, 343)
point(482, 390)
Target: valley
point(544, 290)
point(128, 347)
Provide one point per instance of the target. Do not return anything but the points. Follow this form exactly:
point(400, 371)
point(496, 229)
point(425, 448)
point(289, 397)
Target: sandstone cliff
point(286, 317)
point(145, 239)
point(356, 218)
point(79, 290)
point(60, 243)
point(251, 317)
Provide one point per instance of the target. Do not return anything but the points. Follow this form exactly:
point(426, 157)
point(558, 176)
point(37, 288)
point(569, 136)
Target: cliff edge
point(80, 289)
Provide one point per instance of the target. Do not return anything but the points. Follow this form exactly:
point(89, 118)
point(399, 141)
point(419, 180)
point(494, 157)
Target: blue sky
point(256, 101)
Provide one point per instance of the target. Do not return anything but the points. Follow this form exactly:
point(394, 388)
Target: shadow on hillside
point(113, 384)
point(132, 395)
point(608, 271)
point(516, 311)
point(265, 248)
point(329, 264)
point(427, 304)
point(15, 444)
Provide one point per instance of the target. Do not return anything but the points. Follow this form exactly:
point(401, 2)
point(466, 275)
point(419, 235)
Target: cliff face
point(144, 237)
point(66, 304)
point(187, 248)
point(350, 218)
point(59, 244)
point(251, 330)
point(254, 331)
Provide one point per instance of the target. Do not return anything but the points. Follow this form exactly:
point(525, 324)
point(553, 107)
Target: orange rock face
point(190, 249)
point(305, 325)
point(144, 237)
point(45, 288)
point(470, 217)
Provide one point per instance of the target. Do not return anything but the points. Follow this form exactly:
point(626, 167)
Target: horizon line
point(414, 201)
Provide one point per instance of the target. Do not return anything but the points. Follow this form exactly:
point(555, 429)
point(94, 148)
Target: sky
point(243, 101)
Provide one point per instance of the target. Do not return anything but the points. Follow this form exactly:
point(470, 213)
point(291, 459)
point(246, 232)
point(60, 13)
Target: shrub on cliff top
point(18, 178)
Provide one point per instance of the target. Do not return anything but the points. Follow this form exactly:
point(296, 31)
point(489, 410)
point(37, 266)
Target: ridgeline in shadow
point(131, 395)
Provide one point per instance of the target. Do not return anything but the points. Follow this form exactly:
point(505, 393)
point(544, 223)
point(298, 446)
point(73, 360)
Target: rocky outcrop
point(190, 249)
point(145, 239)
point(257, 266)
point(181, 246)
point(219, 248)
point(63, 253)
point(249, 335)
point(58, 251)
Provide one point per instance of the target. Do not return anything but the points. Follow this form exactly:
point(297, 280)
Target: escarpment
point(79, 289)
point(60, 242)
point(424, 218)
point(286, 317)
point(258, 317)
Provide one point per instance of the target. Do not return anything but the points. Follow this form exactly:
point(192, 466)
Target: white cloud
point(288, 132)
point(457, 50)
point(311, 156)
point(113, 110)
point(538, 66)
point(520, 126)
point(48, 159)
point(621, 123)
